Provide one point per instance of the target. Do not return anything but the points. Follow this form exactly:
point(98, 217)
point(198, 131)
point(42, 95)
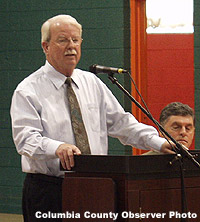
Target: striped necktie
point(77, 121)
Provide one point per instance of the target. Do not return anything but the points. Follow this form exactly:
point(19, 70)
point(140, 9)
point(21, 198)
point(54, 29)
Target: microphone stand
point(180, 151)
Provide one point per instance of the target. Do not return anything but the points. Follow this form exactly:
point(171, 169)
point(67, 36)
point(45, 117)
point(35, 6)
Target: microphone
point(103, 69)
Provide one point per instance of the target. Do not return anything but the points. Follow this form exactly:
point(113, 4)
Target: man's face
point(61, 52)
point(181, 128)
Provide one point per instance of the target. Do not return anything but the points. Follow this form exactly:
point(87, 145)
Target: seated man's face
point(181, 128)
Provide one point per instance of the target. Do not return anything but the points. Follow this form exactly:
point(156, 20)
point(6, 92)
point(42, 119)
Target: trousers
point(42, 198)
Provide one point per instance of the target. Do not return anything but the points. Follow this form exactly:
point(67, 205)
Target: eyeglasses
point(66, 41)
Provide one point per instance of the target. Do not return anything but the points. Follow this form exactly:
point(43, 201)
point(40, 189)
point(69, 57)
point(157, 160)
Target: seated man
point(179, 121)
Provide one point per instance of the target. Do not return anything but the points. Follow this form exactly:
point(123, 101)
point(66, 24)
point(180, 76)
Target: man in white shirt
point(41, 123)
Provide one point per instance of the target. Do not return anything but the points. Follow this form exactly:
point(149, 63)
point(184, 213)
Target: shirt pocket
point(94, 117)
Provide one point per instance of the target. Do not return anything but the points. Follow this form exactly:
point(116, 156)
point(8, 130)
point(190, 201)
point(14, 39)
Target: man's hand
point(167, 148)
point(66, 153)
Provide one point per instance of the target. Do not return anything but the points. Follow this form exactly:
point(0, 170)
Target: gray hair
point(176, 109)
point(45, 29)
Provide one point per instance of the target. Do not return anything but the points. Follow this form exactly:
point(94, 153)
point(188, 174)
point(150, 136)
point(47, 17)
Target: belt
point(45, 178)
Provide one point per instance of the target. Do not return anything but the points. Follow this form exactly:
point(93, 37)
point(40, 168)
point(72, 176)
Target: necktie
point(77, 121)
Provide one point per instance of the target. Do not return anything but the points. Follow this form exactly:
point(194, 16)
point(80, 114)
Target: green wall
point(197, 69)
point(106, 42)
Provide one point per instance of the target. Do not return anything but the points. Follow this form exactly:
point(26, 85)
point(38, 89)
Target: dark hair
point(176, 109)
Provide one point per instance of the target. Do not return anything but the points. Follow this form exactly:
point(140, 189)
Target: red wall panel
point(170, 71)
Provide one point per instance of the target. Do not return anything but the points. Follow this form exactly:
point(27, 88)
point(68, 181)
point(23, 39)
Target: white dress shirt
point(41, 119)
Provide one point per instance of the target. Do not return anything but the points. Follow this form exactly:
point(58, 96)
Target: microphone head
point(92, 68)
point(104, 69)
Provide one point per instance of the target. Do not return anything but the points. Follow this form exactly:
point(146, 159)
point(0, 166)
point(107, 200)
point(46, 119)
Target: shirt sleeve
point(124, 126)
point(27, 129)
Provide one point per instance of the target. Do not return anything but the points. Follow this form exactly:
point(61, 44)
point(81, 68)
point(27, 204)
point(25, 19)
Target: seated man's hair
point(175, 109)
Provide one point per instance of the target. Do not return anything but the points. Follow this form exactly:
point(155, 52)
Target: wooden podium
point(136, 188)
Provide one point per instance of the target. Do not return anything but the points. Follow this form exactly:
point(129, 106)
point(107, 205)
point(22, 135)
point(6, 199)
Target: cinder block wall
point(106, 42)
point(197, 69)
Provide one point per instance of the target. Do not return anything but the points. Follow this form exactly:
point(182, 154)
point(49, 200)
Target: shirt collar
point(57, 78)
point(75, 78)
